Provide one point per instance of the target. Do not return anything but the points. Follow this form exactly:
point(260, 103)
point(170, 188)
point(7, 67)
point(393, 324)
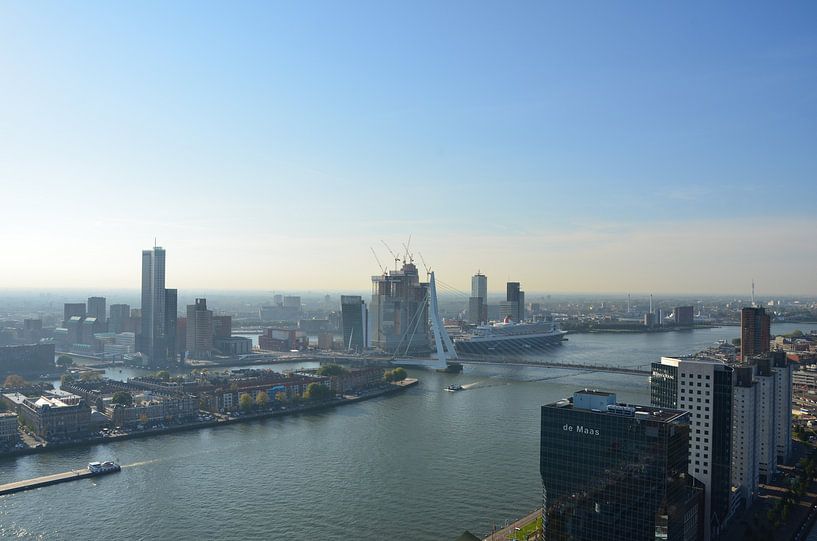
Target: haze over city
point(270, 146)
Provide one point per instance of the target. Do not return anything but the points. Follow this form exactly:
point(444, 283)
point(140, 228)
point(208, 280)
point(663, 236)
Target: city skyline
point(635, 149)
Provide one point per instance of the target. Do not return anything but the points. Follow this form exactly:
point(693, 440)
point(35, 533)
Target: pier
point(47, 480)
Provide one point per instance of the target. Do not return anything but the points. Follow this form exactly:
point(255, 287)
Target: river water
point(425, 464)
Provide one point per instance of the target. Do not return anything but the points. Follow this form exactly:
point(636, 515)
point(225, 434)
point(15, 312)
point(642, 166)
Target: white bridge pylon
point(445, 347)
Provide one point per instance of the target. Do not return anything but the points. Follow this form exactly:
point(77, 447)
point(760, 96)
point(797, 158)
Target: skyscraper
point(704, 388)
point(71, 309)
point(119, 318)
point(96, 308)
point(199, 330)
point(514, 305)
point(399, 312)
point(478, 302)
point(158, 319)
point(615, 471)
point(355, 322)
point(755, 332)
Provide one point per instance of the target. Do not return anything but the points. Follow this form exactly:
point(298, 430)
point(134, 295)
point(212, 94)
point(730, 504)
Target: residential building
point(27, 360)
point(199, 330)
point(703, 387)
point(755, 331)
point(72, 309)
point(616, 472)
point(8, 429)
point(53, 418)
point(745, 459)
point(119, 318)
point(96, 308)
point(355, 322)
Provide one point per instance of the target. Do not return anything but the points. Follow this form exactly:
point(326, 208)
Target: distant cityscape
point(691, 465)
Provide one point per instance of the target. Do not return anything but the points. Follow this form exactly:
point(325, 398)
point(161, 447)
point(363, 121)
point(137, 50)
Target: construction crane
point(409, 255)
point(382, 269)
point(395, 256)
point(428, 270)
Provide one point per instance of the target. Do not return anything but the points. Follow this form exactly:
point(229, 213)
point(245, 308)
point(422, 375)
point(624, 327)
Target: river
point(425, 464)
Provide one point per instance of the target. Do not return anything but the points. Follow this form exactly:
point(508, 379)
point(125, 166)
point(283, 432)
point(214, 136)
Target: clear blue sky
point(598, 146)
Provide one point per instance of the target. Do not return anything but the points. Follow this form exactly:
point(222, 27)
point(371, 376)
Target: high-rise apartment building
point(159, 311)
point(705, 389)
point(71, 309)
point(355, 322)
point(478, 302)
point(399, 312)
point(774, 377)
point(615, 471)
point(755, 332)
point(119, 320)
point(199, 330)
point(745, 422)
point(96, 308)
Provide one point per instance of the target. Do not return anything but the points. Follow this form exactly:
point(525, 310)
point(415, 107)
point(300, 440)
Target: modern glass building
point(355, 322)
point(704, 388)
point(159, 311)
point(615, 471)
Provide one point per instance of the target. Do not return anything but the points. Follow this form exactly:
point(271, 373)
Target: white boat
point(103, 467)
point(454, 388)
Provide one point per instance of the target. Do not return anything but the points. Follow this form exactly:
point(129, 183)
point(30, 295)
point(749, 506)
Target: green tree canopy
point(90, 376)
point(122, 397)
point(399, 374)
point(262, 399)
point(332, 370)
point(245, 402)
point(163, 375)
point(65, 361)
point(13, 380)
point(316, 391)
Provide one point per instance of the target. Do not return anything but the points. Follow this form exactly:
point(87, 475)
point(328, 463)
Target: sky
point(571, 146)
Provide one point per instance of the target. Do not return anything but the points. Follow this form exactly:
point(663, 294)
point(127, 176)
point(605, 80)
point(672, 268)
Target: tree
point(399, 374)
point(67, 379)
point(317, 392)
point(90, 376)
point(736, 342)
point(122, 397)
point(332, 370)
point(245, 402)
point(13, 380)
point(262, 399)
point(64, 361)
point(163, 375)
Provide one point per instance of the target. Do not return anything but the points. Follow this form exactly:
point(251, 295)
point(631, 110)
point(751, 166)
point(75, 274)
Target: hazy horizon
point(631, 147)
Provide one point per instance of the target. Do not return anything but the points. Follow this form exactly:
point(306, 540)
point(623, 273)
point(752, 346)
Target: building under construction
point(399, 312)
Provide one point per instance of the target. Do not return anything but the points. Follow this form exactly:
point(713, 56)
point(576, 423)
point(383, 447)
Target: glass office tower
point(616, 472)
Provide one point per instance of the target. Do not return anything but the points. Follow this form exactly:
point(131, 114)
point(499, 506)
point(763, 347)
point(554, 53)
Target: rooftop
point(617, 409)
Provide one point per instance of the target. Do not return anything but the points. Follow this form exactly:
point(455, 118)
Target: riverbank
point(391, 389)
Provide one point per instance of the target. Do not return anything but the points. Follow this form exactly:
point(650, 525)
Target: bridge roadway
point(638, 370)
point(635, 370)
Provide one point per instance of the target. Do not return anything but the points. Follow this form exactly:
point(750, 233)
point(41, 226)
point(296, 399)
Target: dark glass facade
point(664, 385)
point(721, 444)
point(613, 476)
